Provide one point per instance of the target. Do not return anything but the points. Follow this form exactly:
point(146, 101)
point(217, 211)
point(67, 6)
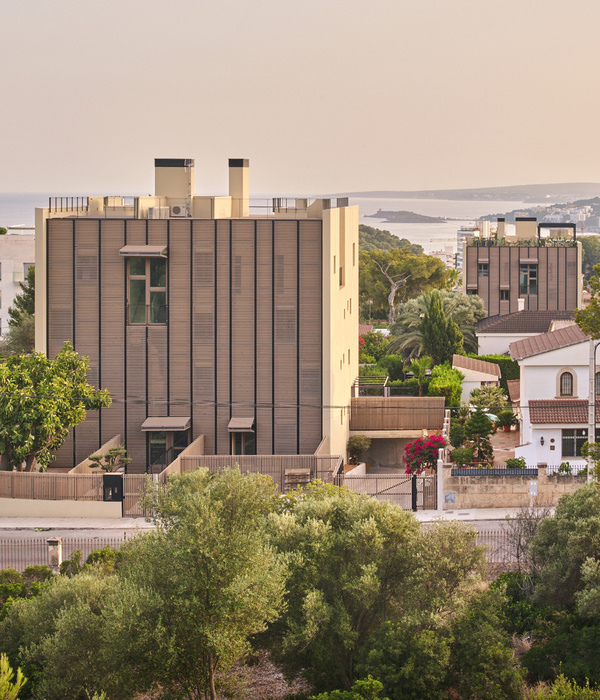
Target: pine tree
point(441, 336)
point(24, 303)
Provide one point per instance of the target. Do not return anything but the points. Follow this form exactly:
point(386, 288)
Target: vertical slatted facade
point(557, 278)
point(243, 338)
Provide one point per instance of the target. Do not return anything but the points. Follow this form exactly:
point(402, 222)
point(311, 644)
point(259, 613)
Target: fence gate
point(410, 493)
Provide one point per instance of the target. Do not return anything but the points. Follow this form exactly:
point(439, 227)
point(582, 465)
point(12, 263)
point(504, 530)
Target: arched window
point(566, 384)
point(597, 385)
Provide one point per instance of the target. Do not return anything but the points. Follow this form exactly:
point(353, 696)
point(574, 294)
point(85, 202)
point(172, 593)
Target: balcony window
point(147, 290)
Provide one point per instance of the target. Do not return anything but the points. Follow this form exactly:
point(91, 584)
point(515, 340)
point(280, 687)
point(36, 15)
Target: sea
point(18, 209)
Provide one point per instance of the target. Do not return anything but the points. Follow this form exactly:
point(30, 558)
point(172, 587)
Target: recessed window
point(597, 385)
point(528, 279)
point(504, 295)
point(572, 441)
point(471, 292)
point(482, 269)
point(147, 290)
point(566, 384)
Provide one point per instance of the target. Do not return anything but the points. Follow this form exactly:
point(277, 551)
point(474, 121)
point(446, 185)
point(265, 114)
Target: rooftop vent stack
point(238, 186)
point(174, 178)
point(500, 227)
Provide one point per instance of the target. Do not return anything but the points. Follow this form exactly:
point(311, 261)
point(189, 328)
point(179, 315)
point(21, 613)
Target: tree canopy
point(375, 239)
point(20, 336)
point(396, 276)
point(465, 310)
point(588, 319)
point(42, 400)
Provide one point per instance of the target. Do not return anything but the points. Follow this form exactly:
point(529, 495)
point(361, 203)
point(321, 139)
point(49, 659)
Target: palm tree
point(419, 369)
point(464, 310)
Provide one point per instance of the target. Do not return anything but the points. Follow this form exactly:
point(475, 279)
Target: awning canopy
point(241, 425)
point(143, 251)
point(166, 423)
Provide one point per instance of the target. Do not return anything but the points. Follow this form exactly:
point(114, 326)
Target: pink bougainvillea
point(422, 453)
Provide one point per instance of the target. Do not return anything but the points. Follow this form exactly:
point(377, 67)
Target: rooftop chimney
point(238, 187)
point(174, 178)
point(521, 304)
point(500, 227)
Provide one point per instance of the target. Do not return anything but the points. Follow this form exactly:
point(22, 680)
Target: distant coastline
point(557, 192)
point(405, 217)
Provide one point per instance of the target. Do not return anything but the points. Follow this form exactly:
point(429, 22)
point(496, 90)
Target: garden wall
point(510, 490)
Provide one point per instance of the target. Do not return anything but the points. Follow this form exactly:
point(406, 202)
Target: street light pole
point(592, 404)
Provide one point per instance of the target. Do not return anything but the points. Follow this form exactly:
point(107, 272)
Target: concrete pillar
point(239, 190)
point(440, 481)
point(543, 494)
point(55, 554)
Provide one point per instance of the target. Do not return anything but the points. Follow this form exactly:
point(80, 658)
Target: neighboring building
point(539, 268)
point(212, 321)
point(477, 373)
point(17, 254)
point(496, 333)
point(554, 395)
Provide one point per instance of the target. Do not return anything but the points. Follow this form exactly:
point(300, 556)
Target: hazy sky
point(320, 95)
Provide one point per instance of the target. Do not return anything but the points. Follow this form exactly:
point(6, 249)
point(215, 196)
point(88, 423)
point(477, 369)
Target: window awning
point(241, 425)
point(166, 423)
point(143, 251)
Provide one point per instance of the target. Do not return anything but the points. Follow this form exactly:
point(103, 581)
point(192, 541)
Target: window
point(482, 269)
point(147, 290)
point(566, 384)
point(572, 441)
point(26, 267)
point(528, 279)
point(471, 292)
point(243, 443)
point(597, 385)
point(504, 295)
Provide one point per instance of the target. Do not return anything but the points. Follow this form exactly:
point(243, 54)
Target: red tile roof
point(560, 411)
point(538, 344)
point(462, 362)
point(514, 389)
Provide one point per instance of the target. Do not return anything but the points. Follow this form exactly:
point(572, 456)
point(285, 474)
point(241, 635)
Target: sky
point(322, 96)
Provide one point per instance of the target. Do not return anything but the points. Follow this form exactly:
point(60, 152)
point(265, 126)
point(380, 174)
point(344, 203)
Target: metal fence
point(19, 553)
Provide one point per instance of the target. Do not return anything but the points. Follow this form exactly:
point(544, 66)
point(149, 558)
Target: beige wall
point(525, 229)
point(177, 183)
point(506, 491)
point(34, 508)
point(40, 279)
point(340, 323)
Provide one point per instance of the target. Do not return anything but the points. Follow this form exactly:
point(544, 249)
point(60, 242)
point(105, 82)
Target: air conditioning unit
point(154, 212)
point(179, 210)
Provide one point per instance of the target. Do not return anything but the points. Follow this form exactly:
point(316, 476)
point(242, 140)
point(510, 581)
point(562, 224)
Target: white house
point(17, 254)
point(496, 333)
point(477, 373)
point(554, 394)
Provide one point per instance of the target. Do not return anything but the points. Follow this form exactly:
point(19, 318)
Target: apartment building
point(538, 268)
point(221, 316)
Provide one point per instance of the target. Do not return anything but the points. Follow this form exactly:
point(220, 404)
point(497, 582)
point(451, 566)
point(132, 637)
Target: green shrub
point(573, 652)
point(516, 463)
point(394, 366)
point(565, 468)
point(462, 455)
point(457, 433)
point(446, 382)
point(358, 444)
